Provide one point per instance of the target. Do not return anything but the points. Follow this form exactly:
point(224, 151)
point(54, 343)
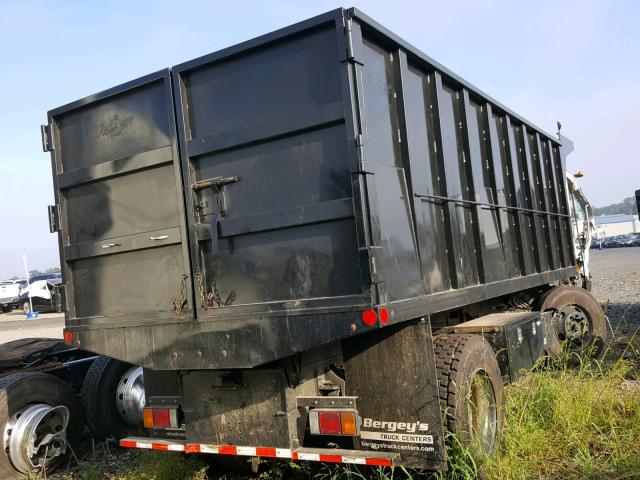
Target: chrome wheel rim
point(36, 436)
point(483, 412)
point(130, 398)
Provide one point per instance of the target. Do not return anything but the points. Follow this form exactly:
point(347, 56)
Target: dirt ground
point(15, 325)
point(616, 284)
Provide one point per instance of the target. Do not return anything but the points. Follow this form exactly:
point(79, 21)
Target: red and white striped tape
point(268, 452)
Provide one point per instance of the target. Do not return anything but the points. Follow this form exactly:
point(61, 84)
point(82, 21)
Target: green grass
point(163, 466)
point(147, 466)
point(566, 423)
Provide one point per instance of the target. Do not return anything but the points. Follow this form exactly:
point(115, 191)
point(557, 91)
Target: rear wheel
point(471, 393)
point(26, 307)
point(42, 422)
point(113, 398)
point(6, 308)
point(579, 323)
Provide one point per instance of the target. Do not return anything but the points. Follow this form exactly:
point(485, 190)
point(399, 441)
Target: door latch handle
point(215, 182)
point(159, 237)
point(110, 245)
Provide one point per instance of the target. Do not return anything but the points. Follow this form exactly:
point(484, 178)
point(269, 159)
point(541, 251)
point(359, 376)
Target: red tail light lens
point(329, 423)
point(161, 418)
point(370, 317)
point(68, 338)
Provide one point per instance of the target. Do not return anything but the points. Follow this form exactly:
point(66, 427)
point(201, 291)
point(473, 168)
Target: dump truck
point(319, 245)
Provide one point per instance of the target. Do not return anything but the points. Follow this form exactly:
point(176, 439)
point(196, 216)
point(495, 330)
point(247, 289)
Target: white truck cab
point(582, 224)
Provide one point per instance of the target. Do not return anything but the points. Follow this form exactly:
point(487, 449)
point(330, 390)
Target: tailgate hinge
point(373, 264)
point(348, 31)
point(362, 170)
point(47, 143)
point(54, 218)
point(349, 34)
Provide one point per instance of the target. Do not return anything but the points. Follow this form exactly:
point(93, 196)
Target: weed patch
point(572, 424)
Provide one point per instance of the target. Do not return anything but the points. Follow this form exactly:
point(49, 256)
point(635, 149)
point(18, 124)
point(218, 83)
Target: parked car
point(10, 293)
point(628, 241)
point(40, 290)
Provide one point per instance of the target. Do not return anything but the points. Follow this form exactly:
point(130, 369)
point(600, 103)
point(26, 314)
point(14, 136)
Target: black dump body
point(253, 203)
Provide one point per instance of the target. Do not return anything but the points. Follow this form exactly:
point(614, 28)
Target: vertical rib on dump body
point(257, 201)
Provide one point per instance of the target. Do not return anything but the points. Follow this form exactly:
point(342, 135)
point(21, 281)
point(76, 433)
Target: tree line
point(627, 207)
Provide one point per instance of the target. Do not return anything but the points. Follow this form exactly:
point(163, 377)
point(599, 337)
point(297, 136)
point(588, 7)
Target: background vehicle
point(9, 294)
point(41, 291)
point(331, 258)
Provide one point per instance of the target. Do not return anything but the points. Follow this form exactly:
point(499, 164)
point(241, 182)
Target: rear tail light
point(148, 418)
point(349, 423)
point(369, 317)
point(329, 423)
point(334, 422)
point(160, 418)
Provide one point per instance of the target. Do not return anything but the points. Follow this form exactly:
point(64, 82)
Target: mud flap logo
point(386, 435)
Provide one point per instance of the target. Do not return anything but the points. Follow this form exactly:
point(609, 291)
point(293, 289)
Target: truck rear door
point(119, 205)
point(270, 179)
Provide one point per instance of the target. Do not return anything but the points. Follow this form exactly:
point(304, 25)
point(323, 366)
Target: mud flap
point(392, 372)
point(235, 408)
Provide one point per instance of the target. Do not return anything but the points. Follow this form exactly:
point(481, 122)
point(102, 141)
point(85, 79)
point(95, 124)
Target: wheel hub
point(130, 398)
point(574, 323)
point(35, 436)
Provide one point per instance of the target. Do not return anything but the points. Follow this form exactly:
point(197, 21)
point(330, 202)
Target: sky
point(573, 61)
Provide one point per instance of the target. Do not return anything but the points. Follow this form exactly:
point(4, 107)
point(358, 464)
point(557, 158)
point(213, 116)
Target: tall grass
point(571, 423)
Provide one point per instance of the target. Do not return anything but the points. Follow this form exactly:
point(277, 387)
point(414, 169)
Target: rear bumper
point(381, 459)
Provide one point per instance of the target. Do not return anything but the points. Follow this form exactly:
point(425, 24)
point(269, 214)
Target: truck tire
point(99, 399)
point(471, 392)
point(24, 390)
point(580, 326)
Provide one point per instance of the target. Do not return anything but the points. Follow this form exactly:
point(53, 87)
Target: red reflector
point(68, 338)
point(161, 418)
point(369, 317)
point(384, 316)
point(329, 423)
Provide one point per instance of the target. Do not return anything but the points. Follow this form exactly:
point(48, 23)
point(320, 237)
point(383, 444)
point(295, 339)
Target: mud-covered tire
point(556, 299)
point(461, 362)
point(99, 400)
point(24, 388)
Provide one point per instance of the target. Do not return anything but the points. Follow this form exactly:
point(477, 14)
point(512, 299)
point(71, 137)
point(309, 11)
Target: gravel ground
point(15, 325)
point(616, 284)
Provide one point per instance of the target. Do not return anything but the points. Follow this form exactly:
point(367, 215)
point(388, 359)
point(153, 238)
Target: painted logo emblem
point(114, 126)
